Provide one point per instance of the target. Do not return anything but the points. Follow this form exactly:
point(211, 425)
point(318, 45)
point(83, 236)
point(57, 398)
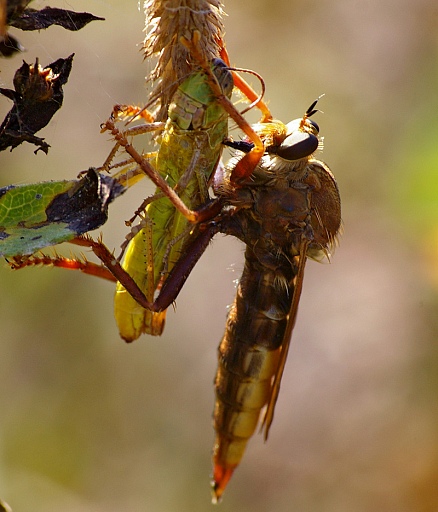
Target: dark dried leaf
point(38, 95)
point(16, 15)
point(85, 206)
point(14, 8)
point(32, 19)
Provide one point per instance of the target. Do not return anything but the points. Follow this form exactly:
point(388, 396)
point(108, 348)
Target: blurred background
point(89, 423)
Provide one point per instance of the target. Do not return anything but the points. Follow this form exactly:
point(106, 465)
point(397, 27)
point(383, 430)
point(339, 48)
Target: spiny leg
point(165, 270)
point(85, 266)
point(111, 269)
point(176, 278)
point(157, 179)
point(140, 212)
point(114, 267)
point(181, 185)
point(132, 112)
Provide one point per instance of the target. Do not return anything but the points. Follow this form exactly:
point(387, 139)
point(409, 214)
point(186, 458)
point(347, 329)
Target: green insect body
point(43, 214)
point(190, 148)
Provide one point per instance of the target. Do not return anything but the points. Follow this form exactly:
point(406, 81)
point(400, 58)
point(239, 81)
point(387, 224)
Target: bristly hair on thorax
point(166, 22)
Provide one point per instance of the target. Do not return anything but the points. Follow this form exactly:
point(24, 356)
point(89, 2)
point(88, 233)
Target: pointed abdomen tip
point(221, 477)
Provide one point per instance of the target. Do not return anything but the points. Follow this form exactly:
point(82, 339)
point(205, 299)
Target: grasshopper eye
point(298, 145)
point(224, 76)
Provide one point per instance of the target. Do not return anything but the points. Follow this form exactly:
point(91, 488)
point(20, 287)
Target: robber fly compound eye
point(297, 145)
point(301, 139)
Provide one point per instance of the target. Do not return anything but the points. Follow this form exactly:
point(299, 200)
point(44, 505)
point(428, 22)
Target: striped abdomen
point(248, 359)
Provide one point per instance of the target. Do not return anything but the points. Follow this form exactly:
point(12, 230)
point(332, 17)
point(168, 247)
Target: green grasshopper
point(190, 149)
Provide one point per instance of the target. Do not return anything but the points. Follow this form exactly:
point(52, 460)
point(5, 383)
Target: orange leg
point(87, 267)
point(123, 111)
point(133, 111)
point(247, 90)
point(113, 271)
point(191, 215)
point(110, 270)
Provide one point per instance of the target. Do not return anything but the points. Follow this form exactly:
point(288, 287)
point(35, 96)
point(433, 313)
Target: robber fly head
point(301, 137)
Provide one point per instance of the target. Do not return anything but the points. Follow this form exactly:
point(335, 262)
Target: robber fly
point(285, 206)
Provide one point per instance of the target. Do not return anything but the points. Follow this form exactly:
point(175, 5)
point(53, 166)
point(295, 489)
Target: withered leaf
point(31, 19)
point(37, 96)
point(16, 15)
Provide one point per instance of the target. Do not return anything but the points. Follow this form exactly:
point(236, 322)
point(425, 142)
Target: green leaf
point(48, 213)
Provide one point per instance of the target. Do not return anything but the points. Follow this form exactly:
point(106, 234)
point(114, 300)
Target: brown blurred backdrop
point(88, 423)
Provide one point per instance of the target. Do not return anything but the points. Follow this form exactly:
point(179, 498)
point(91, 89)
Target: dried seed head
point(166, 22)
